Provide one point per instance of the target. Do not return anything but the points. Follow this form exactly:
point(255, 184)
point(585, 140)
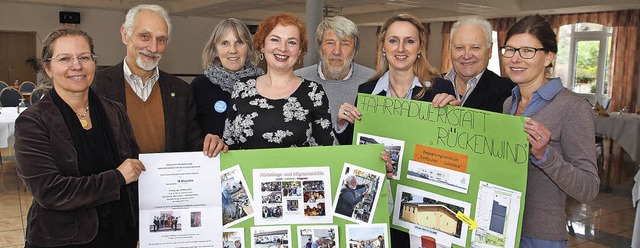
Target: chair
point(10, 97)
point(3, 85)
point(27, 86)
point(37, 94)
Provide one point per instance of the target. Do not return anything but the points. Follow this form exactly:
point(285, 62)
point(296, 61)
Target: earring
point(298, 60)
point(261, 57)
point(384, 54)
point(418, 55)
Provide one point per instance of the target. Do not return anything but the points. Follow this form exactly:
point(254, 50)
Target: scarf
point(226, 79)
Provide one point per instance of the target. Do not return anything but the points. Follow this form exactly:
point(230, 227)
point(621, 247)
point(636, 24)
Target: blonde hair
point(421, 67)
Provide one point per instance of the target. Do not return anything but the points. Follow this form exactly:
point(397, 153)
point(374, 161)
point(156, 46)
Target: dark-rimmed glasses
point(525, 52)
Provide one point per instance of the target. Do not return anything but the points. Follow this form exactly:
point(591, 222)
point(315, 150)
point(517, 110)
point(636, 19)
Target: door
point(15, 49)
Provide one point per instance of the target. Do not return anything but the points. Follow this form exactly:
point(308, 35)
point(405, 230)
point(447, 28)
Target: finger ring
point(346, 112)
point(539, 137)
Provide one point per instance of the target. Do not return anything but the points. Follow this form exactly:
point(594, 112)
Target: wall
point(183, 56)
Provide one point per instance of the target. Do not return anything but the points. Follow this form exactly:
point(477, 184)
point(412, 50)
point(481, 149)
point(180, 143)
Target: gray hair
point(210, 54)
point(473, 20)
point(340, 25)
point(130, 18)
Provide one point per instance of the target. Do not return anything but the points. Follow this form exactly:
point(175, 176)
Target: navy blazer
point(439, 85)
point(490, 92)
point(182, 132)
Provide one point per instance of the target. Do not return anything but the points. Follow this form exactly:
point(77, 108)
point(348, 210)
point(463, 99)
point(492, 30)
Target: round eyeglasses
point(525, 52)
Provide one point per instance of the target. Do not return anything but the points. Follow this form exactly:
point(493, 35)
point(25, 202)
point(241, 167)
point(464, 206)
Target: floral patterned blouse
point(301, 119)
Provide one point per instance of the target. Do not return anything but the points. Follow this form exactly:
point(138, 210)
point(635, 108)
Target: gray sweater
point(340, 91)
point(569, 168)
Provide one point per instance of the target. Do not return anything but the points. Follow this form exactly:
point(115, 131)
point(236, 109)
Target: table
point(8, 116)
point(624, 129)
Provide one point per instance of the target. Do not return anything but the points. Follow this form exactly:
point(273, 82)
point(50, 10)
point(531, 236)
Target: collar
point(383, 84)
point(130, 77)
point(324, 78)
point(547, 92)
point(451, 76)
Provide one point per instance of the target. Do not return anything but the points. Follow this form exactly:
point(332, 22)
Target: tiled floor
point(605, 222)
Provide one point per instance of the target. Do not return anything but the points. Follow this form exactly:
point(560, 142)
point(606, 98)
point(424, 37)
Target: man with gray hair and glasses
point(475, 85)
point(160, 106)
point(338, 43)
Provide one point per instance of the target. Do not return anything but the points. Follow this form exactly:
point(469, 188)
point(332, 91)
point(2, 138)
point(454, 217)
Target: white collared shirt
point(324, 78)
point(383, 84)
point(471, 84)
point(143, 90)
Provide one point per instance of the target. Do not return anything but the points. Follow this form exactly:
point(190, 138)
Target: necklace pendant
point(84, 123)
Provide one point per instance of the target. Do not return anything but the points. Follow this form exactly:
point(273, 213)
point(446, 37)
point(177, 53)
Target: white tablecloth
point(624, 129)
point(8, 116)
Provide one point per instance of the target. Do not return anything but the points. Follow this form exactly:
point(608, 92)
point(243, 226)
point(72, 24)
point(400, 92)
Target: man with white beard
point(160, 106)
point(338, 43)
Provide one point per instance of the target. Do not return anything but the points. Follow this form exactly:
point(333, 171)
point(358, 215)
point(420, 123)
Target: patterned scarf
point(226, 79)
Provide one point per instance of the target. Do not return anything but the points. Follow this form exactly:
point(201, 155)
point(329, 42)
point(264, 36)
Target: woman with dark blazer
point(76, 153)
point(402, 71)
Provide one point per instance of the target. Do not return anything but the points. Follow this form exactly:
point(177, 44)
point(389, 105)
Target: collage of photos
point(236, 201)
point(394, 147)
point(367, 236)
point(431, 215)
point(318, 236)
point(233, 238)
point(358, 193)
point(271, 237)
point(292, 199)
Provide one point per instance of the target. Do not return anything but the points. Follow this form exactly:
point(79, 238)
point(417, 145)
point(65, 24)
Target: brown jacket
point(63, 209)
point(182, 131)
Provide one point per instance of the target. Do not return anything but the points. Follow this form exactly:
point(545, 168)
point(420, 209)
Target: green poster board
point(291, 159)
point(490, 149)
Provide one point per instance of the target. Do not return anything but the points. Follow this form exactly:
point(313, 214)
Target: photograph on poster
point(233, 238)
point(358, 193)
point(318, 236)
point(271, 236)
point(166, 220)
point(497, 211)
point(292, 195)
point(196, 219)
point(438, 176)
point(393, 146)
point(370, 235)
point(431, 215)
point(237, 204)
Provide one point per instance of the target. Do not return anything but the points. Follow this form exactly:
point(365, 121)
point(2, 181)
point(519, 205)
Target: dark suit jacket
point(440, 85)
point(182, 131)
point(490, 92)
point(63, 211)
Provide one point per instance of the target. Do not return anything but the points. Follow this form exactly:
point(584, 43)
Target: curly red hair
point(284, 19)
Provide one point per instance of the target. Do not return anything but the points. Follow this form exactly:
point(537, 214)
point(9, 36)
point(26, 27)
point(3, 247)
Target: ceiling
point(363, 12)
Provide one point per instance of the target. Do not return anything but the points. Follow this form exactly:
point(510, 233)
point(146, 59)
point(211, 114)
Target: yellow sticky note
point(466, 219)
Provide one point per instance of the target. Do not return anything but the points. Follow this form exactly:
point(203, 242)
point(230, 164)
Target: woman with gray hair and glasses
point(227, 57)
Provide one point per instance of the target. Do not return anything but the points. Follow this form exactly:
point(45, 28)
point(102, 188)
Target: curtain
point(624, 63)
point(502, 26)
point(445, 57)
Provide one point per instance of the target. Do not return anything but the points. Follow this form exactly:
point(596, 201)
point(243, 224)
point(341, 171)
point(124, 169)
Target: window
point(582, 62)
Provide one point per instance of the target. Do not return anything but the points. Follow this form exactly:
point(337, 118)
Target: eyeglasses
point(67, 60)
point(525, 52)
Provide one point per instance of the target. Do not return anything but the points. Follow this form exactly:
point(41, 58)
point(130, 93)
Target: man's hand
point(213, 144)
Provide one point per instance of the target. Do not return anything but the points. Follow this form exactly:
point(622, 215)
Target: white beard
point(147, 66)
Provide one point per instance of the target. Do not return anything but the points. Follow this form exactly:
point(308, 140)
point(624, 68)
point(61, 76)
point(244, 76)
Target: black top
point(490, 92)
point(212, 104)
point(439, 85)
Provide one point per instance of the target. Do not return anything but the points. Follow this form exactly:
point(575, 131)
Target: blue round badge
point(220, 106)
